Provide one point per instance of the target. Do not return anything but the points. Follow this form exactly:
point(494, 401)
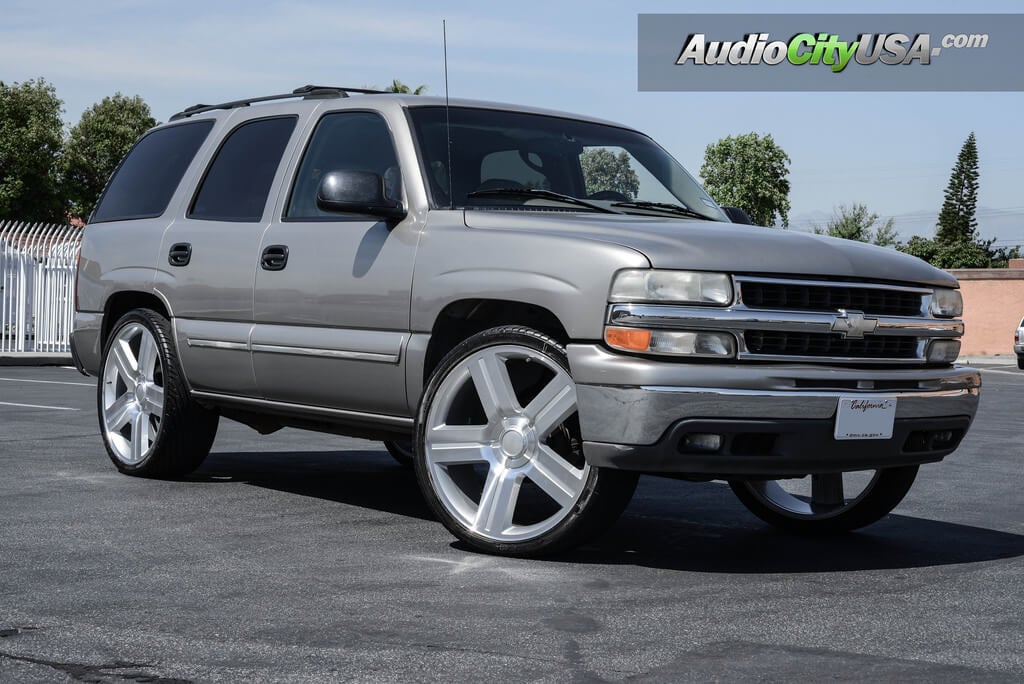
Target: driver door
point(331, 305)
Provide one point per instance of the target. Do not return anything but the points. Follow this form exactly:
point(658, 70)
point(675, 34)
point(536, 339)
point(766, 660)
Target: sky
point(890, 151)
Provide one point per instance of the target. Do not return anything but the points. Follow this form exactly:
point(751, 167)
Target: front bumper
point(774, 419)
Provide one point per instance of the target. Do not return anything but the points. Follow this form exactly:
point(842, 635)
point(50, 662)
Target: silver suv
point(532, 307)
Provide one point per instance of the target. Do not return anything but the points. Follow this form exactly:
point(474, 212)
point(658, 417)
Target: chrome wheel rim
point(133, 394)
point(815, 497)
point(500, 447)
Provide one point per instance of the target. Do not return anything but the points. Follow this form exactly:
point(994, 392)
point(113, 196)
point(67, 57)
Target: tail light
point(78, 266)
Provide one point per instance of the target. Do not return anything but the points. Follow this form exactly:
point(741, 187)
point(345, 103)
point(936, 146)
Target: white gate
point(37, 285)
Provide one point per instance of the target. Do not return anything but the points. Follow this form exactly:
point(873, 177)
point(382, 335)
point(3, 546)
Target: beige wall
point(993, 306)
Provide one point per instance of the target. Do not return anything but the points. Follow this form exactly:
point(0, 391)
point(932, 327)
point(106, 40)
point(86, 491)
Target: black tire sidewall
point(887, 491)
point(583, 521)
point(186, 430)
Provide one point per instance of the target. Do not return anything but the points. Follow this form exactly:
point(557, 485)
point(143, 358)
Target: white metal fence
point(37, 285)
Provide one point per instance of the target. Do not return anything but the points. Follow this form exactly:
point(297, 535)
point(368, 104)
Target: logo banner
point(830, 52)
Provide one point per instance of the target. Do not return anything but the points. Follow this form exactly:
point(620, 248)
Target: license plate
point(865, 418)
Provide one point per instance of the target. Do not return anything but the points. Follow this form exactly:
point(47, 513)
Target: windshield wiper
point(540, 193)
point(663, 206)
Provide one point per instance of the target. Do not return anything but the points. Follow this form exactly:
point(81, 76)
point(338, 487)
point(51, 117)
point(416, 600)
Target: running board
point(303, 411)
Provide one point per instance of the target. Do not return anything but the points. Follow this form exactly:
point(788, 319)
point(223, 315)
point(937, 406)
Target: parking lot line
point(51, 382)
point(38, 406)
point(1003, 372)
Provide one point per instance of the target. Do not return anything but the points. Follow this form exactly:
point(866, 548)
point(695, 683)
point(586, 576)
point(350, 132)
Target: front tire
point(402, 450)
point(826, 503)
point(498, 451)
point(150, 425)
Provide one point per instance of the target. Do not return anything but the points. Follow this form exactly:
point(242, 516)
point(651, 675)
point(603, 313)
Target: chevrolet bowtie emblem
point(853, 325)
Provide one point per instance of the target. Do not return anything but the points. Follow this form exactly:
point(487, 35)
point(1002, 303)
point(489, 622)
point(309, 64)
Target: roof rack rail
point(306, 92)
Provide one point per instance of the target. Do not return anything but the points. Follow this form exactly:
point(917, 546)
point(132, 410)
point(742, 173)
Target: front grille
point(830, 297)
point(775, 343)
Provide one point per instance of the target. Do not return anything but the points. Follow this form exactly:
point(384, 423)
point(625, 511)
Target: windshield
point(505, 159)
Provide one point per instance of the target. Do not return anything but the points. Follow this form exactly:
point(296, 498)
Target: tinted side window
point(239, 178)
point(354, 141)
point(146, 180)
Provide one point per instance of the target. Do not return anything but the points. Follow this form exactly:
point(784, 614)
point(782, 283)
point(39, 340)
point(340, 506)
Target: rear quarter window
point(145, 181)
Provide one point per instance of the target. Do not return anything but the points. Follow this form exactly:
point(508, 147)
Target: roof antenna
point(447, 118)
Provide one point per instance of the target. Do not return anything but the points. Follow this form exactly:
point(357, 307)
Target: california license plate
point(865, 418)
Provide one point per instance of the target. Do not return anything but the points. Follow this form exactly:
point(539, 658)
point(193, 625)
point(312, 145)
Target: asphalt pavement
point(308, 557)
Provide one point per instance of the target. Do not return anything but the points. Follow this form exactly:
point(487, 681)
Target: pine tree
point(957, 221)
point(956, 243)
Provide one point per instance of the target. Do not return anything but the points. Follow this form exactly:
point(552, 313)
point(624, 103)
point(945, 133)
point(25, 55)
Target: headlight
point(946, 303)
point(683, 287)
point(697, 343)
point(943, 351)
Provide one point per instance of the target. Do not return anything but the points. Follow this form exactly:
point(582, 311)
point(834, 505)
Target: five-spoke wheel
point(828, 502)
point(149, 423)
point(132, 402)
point(499, 455)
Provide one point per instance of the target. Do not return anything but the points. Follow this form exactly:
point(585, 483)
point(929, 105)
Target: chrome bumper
point(634, 412)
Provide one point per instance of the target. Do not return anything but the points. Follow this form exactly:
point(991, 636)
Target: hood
point(725, 247)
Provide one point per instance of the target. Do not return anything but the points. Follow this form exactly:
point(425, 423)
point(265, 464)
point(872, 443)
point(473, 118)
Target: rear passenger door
point(208, 256)
point(332, 320)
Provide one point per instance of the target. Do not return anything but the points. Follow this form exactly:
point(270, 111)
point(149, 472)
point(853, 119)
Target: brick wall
point(993, 306)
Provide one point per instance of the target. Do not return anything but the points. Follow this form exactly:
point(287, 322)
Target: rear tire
point(150, 425)
point(1020, 362)
point(826, 508)
point(499, 456)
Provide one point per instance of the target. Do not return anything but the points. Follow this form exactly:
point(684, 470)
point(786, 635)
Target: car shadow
point(896, 542)
point(368, 479)
point(669, 525)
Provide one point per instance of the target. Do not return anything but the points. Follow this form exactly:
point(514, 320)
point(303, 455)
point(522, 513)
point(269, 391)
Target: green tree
point(956, 243)
point(750, 172)
point(603, 170)
point(96, 145)
point(960, 254)
point(31, 133)
point(957, 221)
point(399, 87)
point(857, 223)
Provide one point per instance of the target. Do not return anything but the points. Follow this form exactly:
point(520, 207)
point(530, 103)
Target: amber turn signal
point(628, 338)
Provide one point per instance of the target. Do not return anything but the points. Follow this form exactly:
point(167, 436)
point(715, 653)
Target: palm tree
point(399, 87)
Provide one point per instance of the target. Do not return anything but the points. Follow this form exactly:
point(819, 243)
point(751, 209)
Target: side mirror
point(357, 192)
point(737, 215)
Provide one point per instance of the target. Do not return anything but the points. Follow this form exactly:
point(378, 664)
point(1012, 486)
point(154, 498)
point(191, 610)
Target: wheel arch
point(120, 303)
point(460, 319)
point(463, 318)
